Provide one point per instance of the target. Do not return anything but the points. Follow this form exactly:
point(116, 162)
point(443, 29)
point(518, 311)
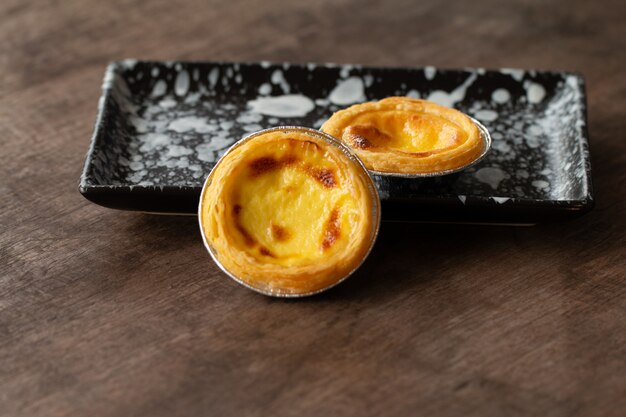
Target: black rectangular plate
point(161, 126)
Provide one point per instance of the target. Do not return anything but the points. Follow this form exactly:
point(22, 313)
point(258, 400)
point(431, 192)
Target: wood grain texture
point(106, 313)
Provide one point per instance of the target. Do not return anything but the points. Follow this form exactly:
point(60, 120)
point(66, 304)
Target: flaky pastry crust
point(287, 213)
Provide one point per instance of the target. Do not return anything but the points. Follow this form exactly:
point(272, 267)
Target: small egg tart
point(409, 137)
point(289, 212)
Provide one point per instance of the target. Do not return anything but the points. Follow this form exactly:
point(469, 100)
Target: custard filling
point(289, 205)
point(410, 132)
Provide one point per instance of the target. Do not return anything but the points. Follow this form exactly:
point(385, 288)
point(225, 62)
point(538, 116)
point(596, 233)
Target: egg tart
point(401, 135)
point(289, 212)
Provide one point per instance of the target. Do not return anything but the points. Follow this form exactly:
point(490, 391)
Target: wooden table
point(106, 313)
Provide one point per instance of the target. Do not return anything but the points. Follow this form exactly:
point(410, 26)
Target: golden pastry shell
point(375, 202)
point(483, 132)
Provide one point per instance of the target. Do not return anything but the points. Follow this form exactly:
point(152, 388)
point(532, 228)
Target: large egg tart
point(289, 212)
point(401, 135)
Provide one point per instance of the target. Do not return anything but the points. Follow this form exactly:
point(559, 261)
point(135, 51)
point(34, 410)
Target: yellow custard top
point(288, 213)
point(410, 136)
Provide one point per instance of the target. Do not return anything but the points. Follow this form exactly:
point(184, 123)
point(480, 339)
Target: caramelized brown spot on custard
point(266, 164)
point(355, 138)
point(280, 233)
point(266, 252)
point(332, 230)
point(246, 236)
point(262, 165)
point(361, 136)
point(324, 176)
point(360, 142)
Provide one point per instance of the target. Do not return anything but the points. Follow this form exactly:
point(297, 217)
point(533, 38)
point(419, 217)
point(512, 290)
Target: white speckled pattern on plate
point(162, 126)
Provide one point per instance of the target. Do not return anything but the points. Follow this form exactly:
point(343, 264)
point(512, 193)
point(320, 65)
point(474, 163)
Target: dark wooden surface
point(106, 313)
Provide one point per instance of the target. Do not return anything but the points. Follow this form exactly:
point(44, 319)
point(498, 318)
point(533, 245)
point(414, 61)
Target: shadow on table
point(405, 257)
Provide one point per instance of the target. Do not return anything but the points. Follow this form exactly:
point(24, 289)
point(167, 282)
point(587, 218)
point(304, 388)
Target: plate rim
point(89, 189)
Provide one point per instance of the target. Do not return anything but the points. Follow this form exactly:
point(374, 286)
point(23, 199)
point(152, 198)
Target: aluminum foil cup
point(375, 214)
